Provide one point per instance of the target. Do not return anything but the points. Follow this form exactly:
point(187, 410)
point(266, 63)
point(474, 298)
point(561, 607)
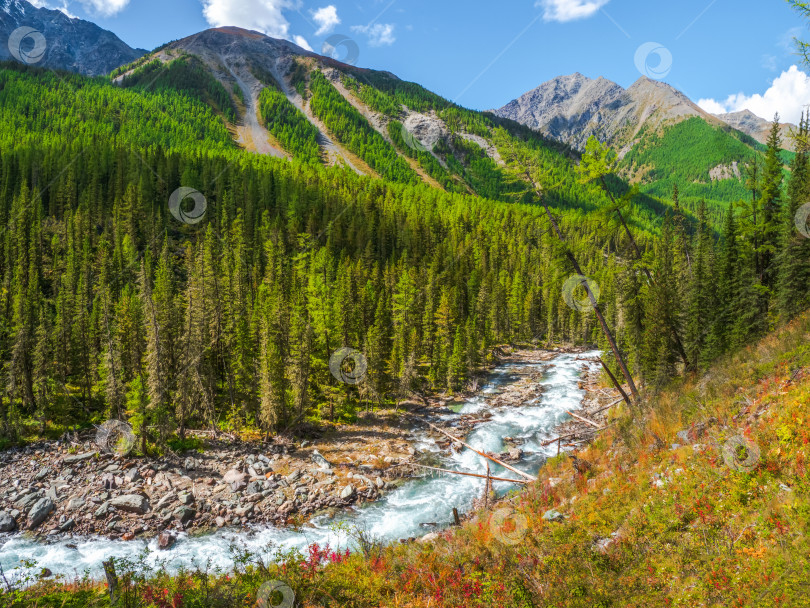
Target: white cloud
point(326, 18)
point(302, 42)
point(105, 7)
point(788, 95)
point(48, 4)
point(266, 16)
point(712, 106)
point(379, 34)
point(569, 10)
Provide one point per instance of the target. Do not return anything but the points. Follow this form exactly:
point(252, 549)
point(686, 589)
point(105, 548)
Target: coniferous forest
point(278, 329)
point(113, 306)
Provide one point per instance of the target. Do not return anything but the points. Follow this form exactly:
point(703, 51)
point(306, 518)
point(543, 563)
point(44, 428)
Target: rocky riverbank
point(72, 487)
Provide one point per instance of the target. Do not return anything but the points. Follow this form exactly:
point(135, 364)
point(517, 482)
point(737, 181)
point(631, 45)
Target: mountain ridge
point(573, 107)
point(66, 43)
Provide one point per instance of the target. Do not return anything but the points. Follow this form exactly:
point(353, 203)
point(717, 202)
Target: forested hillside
point(113, 306)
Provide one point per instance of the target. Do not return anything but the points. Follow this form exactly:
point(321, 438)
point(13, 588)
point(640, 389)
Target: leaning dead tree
point(598, 162)
point(540, 190)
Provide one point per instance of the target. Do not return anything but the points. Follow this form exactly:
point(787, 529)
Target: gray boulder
point(184, 514)
point(131, 503)
point(347, 492)
point(75, 504)
point(552, 515)
point(7, 522)
point(78, 457)
point(39, 512)
point(254, 487)
point(102, 510)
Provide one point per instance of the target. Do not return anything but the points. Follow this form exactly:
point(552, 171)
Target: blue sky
point(727, 54)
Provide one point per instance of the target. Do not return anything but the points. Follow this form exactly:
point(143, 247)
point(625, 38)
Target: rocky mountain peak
point(66, 43)
point(573, 108)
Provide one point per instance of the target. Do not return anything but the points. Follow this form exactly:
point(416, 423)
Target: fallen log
point(485, 455)
point(608, 406)
point(564, 437)
point(591, 422)
point(616, 383)
point(424, 466)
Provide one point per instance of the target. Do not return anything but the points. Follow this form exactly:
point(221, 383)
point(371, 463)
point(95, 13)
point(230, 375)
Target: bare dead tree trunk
point(605, 329)
point(676, 337)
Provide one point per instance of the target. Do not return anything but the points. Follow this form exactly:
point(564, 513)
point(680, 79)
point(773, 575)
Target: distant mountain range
point(572, 108)
point(758, 128)
point(54, 40)
point(282, 100)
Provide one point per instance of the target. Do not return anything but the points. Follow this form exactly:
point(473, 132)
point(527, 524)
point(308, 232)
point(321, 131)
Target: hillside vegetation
point(703, 500)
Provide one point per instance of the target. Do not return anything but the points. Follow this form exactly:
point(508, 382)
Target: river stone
point(7, 523)
point(552, 515)
point(43, 473)
point(39, 512)
point(347, 492)
point(254, 487)
point(165, 501)
point(75, 503)
point(294, 476)
point(78, 457)
point(379, 483)
point(132, 475)
point(68, 525)
point(27, 500)
point(184, 514)
point(102, 510)
point(236, 479)
point(131, 503)
point(185, 498)
point(428, 538)
point(166, 540)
